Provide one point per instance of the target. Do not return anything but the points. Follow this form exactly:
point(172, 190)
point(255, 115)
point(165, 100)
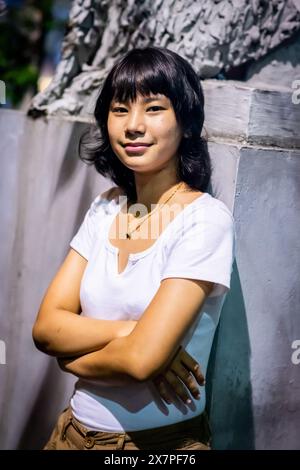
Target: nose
point(135, 123)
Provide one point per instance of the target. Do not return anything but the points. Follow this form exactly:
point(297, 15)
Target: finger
point(178, 387)
point(162, 389)
point(193, 366)
point(196, 371)
point(188, 379)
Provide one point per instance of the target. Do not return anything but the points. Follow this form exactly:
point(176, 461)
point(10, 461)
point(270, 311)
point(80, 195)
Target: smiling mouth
point(136, 147)
point(136, 144)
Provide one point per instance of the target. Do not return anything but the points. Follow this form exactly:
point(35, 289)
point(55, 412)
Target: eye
point(155, 108)
point(119, 110)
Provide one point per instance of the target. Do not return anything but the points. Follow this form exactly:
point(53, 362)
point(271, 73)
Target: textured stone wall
point(215, 36)
point(279, 68)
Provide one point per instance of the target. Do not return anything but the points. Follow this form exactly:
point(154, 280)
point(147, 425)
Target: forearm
point(114, 363)
point(66, 334)
point(117, 363)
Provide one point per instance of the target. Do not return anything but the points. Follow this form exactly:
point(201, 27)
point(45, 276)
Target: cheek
point(112, 139)
point(112, 127)
point(167, 130)
point(174, 134)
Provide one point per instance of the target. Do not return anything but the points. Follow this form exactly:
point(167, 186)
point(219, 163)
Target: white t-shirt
point(198, 244)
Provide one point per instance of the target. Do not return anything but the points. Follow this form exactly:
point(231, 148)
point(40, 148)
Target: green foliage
point(22, 33)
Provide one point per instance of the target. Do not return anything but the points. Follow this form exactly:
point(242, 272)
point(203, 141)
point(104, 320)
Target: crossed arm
point(115, 350)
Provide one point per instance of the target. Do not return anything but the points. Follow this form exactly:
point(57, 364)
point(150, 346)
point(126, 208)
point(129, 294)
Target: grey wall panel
point(45, 191)
point(255, 390)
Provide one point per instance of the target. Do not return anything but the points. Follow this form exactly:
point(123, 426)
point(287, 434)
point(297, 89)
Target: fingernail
point(188, 401)
point(198, 396)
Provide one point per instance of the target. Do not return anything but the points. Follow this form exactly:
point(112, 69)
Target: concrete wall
point(45, 190)
point(254, 385)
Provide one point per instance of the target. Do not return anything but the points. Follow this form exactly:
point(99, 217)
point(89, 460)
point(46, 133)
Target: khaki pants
point(70, 434)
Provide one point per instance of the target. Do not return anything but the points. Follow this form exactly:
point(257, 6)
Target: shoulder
point(208, 210)
point(112, 193)
point(207, 223)
point(218, 208)
point(106, 201)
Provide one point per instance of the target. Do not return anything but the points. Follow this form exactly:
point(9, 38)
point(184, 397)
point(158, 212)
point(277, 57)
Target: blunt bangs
point(155, 71)
point(142, 74)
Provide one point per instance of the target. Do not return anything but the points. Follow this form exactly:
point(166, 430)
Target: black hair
point(151, 70)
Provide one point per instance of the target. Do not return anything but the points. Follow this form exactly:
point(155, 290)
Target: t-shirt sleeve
point(204, 250)
point(85, 237)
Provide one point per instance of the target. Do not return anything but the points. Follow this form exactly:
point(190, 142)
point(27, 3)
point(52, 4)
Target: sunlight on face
point(144, 134)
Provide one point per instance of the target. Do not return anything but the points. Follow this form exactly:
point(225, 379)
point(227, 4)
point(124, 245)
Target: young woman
point(148, 269)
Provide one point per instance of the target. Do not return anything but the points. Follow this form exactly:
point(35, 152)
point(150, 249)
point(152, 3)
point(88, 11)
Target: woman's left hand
point(183, 375)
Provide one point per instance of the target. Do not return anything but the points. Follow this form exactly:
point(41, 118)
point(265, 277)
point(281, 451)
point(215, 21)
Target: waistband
point(198, 426)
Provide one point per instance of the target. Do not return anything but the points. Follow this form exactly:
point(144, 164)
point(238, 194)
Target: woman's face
point(144, 134)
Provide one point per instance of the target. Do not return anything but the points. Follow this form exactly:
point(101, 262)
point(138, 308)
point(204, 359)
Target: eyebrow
point(150, 99)
point(146, 99)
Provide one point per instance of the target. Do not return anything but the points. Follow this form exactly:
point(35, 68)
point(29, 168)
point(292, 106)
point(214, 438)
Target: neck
point(155, 188)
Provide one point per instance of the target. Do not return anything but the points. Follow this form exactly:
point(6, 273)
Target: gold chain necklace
point(128, 233)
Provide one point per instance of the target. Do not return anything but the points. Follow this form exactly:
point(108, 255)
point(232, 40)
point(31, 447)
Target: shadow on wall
point(229, 392)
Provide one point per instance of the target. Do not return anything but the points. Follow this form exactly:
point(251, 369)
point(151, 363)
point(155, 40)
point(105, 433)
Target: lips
point(136, 144)
point(136, 147)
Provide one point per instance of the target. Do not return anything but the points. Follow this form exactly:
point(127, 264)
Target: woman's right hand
point(183, 375)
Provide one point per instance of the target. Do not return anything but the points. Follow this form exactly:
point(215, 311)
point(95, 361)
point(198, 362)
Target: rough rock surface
point(213, 35)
